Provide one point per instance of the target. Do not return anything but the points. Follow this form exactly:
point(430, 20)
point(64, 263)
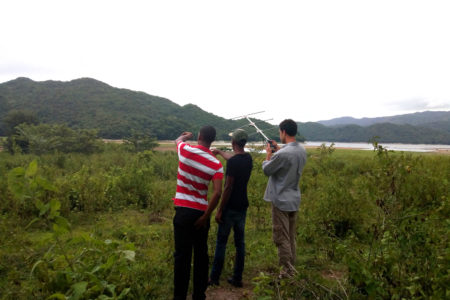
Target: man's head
point(207, 135)
point(239, 138)
point(288, 130)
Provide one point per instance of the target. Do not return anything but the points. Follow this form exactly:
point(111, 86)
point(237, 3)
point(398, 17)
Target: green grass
point(370, 225)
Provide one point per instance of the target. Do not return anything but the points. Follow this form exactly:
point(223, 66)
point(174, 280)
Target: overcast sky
point(306, 60)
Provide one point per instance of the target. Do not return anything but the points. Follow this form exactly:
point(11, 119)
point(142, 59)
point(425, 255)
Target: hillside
point(439, 120)
point(387, 133)
point(88, 103)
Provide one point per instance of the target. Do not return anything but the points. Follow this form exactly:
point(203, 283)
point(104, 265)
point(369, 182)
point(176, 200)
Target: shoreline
point(170, 145)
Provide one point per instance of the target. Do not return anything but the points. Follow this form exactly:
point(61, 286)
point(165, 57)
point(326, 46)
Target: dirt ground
point(227, 292)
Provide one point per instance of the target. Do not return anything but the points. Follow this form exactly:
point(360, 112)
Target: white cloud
point(298, 59)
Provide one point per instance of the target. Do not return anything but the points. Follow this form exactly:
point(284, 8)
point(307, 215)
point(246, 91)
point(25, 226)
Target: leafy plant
point(63, 272)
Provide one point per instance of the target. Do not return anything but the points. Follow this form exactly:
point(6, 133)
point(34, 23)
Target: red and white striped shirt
point(197, 167)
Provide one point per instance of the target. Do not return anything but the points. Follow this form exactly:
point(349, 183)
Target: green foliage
point(407, 248)
point(383, 220)
point(16, 117)
point(388, 133)
point(420, 118)
point(26, 186)
point(371, 225)
point(44, 138)
point(90, 104)
point(143, 182)
point(62, 272)
point(138, 142)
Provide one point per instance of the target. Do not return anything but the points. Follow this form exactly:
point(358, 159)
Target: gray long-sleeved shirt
point(284, 170)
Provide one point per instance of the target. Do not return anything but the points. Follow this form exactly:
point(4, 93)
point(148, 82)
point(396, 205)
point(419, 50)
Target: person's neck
point(204, 144)
point(290, 139)
point(238, 150)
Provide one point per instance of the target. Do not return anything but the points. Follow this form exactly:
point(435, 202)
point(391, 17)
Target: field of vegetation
point(372, 225)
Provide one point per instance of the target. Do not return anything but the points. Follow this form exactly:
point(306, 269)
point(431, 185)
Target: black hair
point(289, 126)
point(208, 134)
point(240, 143)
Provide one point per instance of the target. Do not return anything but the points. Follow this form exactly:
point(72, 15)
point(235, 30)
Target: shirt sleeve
point(180, 147)
point(272, 166)
point(218, 174)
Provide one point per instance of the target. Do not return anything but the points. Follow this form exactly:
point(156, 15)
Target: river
point(366, 146)
point(389, 146)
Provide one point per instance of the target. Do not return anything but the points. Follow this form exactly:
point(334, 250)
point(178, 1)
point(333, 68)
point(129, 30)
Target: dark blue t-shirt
point(240, 167)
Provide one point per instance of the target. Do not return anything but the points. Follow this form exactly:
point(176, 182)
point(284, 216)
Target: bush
point(44, 138)
point(370, 225)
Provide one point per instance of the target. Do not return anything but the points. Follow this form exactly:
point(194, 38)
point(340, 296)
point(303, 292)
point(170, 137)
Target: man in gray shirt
point(284, 168)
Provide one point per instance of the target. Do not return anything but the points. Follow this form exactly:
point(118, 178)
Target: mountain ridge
point(383, 132)
point(117, 112)
point(417, 118)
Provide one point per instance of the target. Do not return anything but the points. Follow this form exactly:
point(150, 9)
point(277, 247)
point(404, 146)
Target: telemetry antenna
point(251, 123)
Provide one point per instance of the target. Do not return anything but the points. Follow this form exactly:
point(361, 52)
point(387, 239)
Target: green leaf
point(32, 169)
point(78, 290)
point(110, 262)
point(112, 289)
point(35, 266)
point(123, 293)
point(32, 222)
point(95, 269)
point(60, 225)
point(16, 183)
point(61, 221)
point(39, 204)
point(43, 208)
point(55, 206)
point(17, 172)
point(57, 296)
point(45, 184)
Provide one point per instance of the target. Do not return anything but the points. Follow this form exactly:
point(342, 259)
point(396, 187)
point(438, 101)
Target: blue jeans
point(236, 220)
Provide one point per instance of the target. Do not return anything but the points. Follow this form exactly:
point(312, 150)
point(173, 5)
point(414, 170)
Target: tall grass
point(371, 224)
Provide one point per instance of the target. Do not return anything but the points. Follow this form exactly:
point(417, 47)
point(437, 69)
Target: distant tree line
point(386, 133)
point(114, 113)
point(24, 134)
point(88, 104)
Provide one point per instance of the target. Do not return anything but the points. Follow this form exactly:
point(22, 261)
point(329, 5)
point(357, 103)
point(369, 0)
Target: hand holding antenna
point(272, 145)
point(271, 148)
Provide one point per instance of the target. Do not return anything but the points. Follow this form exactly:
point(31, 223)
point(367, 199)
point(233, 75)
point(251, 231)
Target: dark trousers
point(231, 220)
point(186, 239)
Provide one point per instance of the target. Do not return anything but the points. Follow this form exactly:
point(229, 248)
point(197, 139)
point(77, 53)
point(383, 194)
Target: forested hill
point(88, 103)
point(386, 133)
point(433, 119)
point(429, 127)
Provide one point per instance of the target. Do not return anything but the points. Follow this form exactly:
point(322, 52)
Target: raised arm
point(269, 152)
point(183, 137)
point(271, 166)
point(225, 154)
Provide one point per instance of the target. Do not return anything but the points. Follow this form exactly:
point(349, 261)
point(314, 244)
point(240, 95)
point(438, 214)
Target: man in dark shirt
point(233, 208)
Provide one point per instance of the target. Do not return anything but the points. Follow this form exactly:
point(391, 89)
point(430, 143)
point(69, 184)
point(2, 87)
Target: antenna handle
point(272, 146)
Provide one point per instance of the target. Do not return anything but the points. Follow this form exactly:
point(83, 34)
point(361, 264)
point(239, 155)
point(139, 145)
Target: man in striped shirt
point(197, 168)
